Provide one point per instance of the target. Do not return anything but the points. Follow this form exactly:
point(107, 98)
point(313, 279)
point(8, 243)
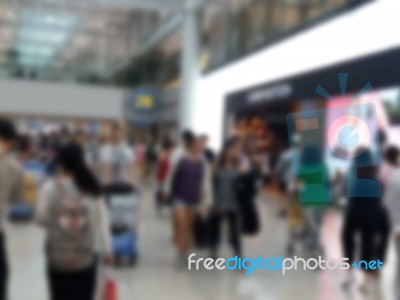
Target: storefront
point(260, 112)
point(368, 30)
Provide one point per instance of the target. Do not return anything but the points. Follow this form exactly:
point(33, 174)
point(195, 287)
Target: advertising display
point(371, 92)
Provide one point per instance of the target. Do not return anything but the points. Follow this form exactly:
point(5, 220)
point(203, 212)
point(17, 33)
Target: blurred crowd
point(202, 189)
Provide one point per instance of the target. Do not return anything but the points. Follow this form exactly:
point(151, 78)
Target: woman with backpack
point(74, 214)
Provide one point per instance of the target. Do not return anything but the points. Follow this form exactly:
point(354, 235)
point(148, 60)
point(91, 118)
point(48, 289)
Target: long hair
point(223, 157)
point(71, 159)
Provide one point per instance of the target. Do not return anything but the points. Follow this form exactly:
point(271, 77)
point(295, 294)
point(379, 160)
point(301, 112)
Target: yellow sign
point(144, 101)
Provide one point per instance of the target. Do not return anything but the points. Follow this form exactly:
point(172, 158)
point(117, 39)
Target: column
point(189, 64)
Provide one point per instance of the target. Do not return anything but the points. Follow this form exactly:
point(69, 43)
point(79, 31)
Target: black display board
point(381, 70)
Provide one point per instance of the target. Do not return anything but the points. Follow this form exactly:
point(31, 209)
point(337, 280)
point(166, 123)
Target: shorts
point(177, 203)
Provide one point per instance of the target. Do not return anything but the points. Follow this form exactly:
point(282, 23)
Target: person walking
point(163, 165)
point(226, 206)
point(73, 213)
point(179, 152)
point(189, 187)
point(208, 153)
point(392, 203)
point(365, 217)
point(117, 159)
point(247, 190)
point(151, 157)
point(11, 178)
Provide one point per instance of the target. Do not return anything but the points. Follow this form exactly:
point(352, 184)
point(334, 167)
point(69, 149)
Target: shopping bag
point(110, 291)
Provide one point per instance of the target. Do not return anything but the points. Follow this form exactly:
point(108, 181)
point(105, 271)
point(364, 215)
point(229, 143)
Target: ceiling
point(70, 38)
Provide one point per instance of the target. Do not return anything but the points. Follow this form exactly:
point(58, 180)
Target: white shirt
point(118, 157)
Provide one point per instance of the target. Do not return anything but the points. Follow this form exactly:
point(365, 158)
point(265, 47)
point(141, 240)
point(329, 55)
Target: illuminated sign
point(141, 106)
point(144, 101)
point(269, 93)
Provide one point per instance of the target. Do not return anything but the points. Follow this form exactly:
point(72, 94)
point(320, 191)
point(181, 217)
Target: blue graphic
point(351, 133)
point(343, 83)
point(368, 265)
point(348, 136)
point(322, 92)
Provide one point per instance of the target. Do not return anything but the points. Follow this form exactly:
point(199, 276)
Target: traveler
point(10, 190)
point(163, 166)
point(189, 187)
point(226, 204)
point(73, 213)
point(365, 217)
point(208, 153)
point(392, 202)
point(117, 159)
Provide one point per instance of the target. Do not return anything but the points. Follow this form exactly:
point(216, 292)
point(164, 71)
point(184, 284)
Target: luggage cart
point(123, 203)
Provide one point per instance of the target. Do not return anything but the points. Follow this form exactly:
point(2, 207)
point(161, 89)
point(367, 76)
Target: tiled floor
point(155, 277)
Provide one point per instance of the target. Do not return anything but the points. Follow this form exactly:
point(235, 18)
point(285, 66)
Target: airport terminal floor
point(155, 277)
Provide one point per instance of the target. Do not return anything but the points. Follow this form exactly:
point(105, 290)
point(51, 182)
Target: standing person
point(284, 176)
point(10, 189)
point(247, 191)
point(92, 152)
point(73, 213)
point(53, 147)
point(180, 151)
point(366, 217)
point(226, 200)
point(190, 190)
point(201, 225)
point(140, 151)
point(65, 136)
point(117, 159)
point(151, 158)
point(392, 202)
point(163, 166)
point(208, 153)
point(188, 138)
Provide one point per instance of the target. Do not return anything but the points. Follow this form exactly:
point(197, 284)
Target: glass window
point(232, 29)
